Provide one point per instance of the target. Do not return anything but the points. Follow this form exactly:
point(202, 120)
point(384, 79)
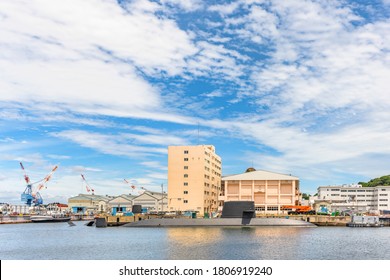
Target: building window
point(185, 184)
point(185, 192)
point(185, 152)
point(185, 201)
point(272, 208)
point(185, 167)
point(185, 175)
point(185, 159)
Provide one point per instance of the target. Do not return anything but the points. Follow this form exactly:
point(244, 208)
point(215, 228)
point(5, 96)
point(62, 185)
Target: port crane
point(141, 191)
point(32, 196)
point(89, 189)
point(131, 185)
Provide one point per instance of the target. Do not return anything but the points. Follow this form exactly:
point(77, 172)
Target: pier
point(14, 219)
point(25, 218)
point(318, 220)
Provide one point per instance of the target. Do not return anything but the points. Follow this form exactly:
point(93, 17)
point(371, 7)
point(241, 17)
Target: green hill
point(381, 181)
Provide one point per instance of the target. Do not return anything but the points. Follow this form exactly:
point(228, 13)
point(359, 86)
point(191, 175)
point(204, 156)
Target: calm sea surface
point(59, 241)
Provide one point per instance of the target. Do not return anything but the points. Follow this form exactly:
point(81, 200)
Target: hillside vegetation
point(381, 181)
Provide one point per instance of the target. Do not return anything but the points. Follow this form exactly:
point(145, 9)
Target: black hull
point(55, 220)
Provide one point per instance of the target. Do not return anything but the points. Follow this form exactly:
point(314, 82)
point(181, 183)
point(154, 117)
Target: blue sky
point(103, 87)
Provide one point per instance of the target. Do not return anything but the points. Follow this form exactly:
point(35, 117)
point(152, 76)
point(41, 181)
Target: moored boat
point(53, 218)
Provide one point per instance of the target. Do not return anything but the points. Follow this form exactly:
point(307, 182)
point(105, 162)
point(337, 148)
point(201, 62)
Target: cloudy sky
point(102, 87)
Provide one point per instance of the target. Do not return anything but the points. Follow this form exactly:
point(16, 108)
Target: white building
point(122, 203)
point(87, 204)
point(152, 201)
point(355, 197)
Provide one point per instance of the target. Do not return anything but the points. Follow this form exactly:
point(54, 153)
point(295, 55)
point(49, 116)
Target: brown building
point(194, 178)
point(268, 190)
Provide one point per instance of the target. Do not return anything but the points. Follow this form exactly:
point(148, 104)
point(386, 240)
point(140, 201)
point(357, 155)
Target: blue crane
point(30, 196)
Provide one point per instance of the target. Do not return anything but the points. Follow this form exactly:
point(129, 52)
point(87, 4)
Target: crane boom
point(47, 178)
point(89, 189)
point(131, 186)
point(26, 178)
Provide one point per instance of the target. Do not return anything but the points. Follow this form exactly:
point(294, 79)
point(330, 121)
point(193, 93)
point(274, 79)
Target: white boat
point(50, 218)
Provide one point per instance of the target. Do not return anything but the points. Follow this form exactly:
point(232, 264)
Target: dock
point(112, 221)
point(14, 219)
point(363, 225)
point(365, 221)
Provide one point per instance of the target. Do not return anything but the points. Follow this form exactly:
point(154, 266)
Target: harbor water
point(59, 241)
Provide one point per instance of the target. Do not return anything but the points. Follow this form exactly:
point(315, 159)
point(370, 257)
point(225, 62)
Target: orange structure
point(297, 209)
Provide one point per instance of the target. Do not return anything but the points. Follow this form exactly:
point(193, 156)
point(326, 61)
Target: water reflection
point(193, 236)
point(234, 242)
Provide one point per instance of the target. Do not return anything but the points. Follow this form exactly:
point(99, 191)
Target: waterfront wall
point(14, 219)
point(330, 220)
point(320, 220)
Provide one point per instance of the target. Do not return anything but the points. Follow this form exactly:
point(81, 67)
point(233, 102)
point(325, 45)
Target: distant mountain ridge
point(381, 181)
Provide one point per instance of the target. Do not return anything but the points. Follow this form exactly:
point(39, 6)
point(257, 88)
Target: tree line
point(381, 181)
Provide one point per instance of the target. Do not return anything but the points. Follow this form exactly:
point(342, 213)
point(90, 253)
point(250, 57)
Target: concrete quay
point(322, 220)
point(14, 219)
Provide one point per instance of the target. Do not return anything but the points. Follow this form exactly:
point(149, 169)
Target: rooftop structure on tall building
point(194, 178)
point(269, 191)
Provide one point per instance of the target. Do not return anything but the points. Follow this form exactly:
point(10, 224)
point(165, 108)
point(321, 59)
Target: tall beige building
point(194, 178)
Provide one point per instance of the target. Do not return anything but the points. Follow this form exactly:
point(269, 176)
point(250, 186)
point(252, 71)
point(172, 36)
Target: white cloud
point(2, 177)
point(80, 169)
point(84, 59)
point(58, 156)
point(215, 93)
point(216, 60)
point(154, 139)
point(160, 176)
point(142, 6)
point(224, 9)
point(186, 5)
point(85, 87)
point(107, 144)
point(92, 60)
point(154, 165)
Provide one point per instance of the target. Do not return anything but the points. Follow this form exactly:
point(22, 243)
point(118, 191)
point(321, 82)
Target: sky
point(103, 87)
